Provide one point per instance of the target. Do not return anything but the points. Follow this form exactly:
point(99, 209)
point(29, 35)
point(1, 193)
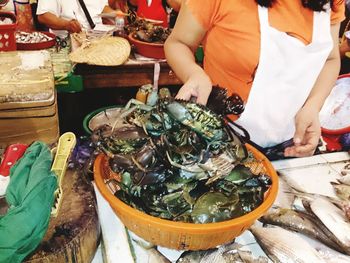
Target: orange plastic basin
point(185, 236)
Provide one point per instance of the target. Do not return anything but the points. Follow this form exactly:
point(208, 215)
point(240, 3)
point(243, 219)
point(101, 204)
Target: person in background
point(7, 6)
point(63, 16)
point(280, 56)
point(156, 9)
point(121, 5)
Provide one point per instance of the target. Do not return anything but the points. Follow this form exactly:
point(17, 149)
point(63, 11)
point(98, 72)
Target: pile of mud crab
point(181, 161)
point(146, 31)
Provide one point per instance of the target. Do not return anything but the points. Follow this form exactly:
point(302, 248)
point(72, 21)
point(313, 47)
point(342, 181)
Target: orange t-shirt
point(232, 43)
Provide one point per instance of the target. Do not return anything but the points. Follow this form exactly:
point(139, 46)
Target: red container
point(7, 32)
point(40, 45)
point(151, 50)
point(332, 137)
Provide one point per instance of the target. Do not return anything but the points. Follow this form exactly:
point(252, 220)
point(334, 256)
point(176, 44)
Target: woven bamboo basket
point(107, 51)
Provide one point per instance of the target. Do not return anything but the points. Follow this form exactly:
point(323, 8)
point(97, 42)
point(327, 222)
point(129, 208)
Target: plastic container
point(178, 235)
point(106, 113)
point(40, 45)
point(70, 84)
point(151, 50)
point(7, 32)
point(199, 54)
point(338, 100)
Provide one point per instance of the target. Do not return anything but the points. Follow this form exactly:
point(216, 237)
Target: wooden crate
point(29, 124)
point(28, 102)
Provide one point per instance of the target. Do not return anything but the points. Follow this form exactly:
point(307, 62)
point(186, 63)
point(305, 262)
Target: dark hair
point(315, 5)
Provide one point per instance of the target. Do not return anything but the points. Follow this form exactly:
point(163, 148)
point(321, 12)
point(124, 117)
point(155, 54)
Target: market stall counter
point(122, 244)
point(106, 62)
point(130, 74)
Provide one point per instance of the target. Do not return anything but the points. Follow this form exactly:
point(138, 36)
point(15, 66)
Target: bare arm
point(116, 12)
point(328, 75)
point(54, 22)
point(307, 123)
point(179, 51)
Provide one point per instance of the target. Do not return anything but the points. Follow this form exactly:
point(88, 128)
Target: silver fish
point(299, 222)
point(346, 209)
point(298, 202)
point(223, 254)
point(329, 255)
point(154, 256)
point(334, 220)
point(285, 246)
point(285, 196)
point(305, 208)
point(303, 179)
point(247, 257)
point(342, 191)
point(345, 179)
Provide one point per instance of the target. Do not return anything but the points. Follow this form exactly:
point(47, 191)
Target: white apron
point(285, 75)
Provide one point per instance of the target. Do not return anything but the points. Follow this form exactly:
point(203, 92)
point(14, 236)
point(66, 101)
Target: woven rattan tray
point(106, 51)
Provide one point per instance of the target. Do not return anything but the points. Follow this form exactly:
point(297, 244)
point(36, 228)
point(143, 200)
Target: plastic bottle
point(142, 93)
point(119, 26)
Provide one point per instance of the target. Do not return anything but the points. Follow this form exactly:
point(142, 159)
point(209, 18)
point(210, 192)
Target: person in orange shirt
point(280, 56)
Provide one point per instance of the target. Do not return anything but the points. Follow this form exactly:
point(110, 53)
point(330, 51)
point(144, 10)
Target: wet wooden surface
point(73, 235)
point(128, 75)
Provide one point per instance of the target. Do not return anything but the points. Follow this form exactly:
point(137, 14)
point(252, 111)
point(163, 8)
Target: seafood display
point(285, 246)
point(316, 209)
point(152, 34)
point(329, 255)
point(226, 253)
point(32, 37)
point(146, 31)
point(179, 160)
point(6, 21)
point(238, 251)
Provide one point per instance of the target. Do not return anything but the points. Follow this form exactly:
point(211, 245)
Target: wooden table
point(127, 75)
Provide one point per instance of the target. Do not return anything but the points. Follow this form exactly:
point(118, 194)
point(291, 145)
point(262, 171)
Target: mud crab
point(181, 161)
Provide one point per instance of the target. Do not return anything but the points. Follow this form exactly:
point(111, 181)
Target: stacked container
point(7, 31)
point(28, 102)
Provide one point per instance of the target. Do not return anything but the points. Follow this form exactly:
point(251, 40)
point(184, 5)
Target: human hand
point(198, 85)
point(307, 133)
point(73, 26)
